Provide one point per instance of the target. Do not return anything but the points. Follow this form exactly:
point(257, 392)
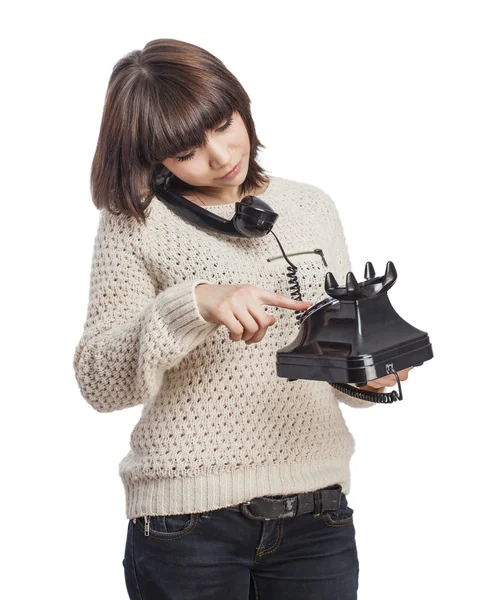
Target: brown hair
point(159, 102)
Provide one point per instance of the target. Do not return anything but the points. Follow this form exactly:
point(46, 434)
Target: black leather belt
point(268, 507)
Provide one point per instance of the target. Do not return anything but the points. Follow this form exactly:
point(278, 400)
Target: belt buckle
point(278, 508)
point(243, 506)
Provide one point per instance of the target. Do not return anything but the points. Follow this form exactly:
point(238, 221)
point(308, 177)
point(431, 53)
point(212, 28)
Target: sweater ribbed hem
point(213, 491)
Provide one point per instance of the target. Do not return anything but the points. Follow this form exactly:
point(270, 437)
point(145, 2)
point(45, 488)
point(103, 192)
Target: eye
point(228, 124)
point(188, 157)
point(192, 154)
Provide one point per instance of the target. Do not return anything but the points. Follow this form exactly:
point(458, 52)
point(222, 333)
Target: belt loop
point(146, 523)
point(318, 503)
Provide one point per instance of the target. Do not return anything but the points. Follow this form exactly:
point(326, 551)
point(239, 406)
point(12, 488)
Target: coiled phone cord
point(380, 397)
point(292, 281)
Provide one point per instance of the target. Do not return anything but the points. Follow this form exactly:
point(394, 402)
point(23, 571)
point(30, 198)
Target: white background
point(373, 102)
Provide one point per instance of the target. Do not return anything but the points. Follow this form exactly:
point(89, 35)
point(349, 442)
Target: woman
point(236, 479)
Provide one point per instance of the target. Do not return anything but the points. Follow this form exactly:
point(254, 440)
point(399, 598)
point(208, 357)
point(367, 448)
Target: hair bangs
point(183, 124)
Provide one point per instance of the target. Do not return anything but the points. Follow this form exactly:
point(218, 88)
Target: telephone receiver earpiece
point(253, 217)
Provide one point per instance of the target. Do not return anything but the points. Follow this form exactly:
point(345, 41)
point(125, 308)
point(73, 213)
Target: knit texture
point(217, 426)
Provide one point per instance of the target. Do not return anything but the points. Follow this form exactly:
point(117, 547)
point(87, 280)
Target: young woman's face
point(226, 146)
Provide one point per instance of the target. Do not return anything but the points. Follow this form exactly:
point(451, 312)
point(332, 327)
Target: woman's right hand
point(238, 307)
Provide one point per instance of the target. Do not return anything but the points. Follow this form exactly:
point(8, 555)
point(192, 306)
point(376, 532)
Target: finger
point(386, 381)
point(234, 326)
point(273, 299)
point(378, 383)
point(251, 327)
point(264, 321)
point(389, 380)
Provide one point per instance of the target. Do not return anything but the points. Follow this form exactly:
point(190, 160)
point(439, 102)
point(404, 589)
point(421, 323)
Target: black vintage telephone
point(354, 336)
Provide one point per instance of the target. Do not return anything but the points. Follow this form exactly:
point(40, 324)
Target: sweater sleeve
point(340, 268)
point(133, 330)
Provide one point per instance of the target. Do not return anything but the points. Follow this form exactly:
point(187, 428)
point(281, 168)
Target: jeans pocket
point(169, 526)
point(341, 517)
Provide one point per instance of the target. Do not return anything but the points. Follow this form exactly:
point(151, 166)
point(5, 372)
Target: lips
point(231, 171)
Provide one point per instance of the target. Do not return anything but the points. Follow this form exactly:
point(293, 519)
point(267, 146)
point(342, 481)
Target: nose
point(219, 155)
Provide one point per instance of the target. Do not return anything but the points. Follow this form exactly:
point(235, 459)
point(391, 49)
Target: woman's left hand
point(389, 380)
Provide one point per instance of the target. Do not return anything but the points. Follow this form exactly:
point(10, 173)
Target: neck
point(214, 195)
point(229, 195)
point(205, 195)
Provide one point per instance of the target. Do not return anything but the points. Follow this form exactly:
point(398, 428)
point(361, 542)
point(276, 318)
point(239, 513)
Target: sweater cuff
point(180, 311)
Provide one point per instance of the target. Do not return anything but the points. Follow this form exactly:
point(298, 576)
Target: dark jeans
point(222, 554)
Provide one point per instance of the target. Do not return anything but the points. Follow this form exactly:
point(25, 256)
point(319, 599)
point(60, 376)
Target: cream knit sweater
point(217, 426)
